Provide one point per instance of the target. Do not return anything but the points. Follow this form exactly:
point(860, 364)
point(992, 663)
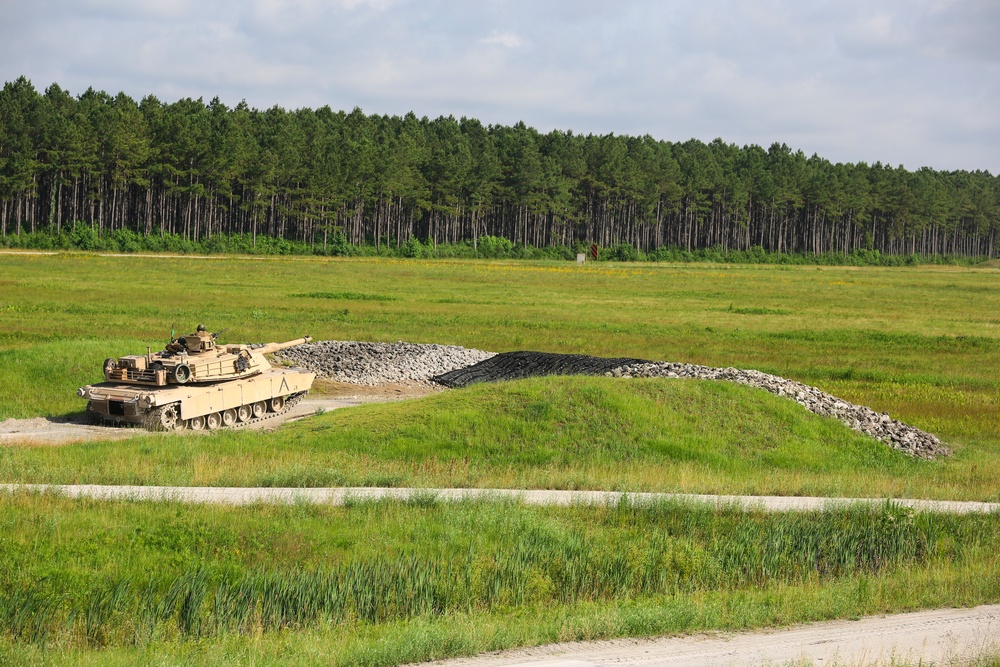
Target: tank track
point(152, 419)
point(290, 402)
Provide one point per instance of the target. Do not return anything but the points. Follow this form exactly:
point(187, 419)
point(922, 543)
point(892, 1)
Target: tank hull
point(215, 405)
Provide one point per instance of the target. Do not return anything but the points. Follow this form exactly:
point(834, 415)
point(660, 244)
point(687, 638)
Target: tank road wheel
point(166, 418)
point(196, 423)
point(229, 418)
point(277, 403)
point(214, 420)
point(259, 409)
point(244, 412)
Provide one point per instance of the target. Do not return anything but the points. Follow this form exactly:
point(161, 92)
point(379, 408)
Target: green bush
point(126, 240)
point(412, 248)
point(83, 237)
point(622, 252)
point(495, 247)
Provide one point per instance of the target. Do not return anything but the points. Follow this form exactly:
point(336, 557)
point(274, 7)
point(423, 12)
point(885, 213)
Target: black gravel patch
point(518, 365)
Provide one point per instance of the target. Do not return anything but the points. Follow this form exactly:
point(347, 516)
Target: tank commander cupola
point(200, 341)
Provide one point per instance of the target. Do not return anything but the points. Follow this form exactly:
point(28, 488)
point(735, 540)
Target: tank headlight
point(81, 392)
point(150, 400)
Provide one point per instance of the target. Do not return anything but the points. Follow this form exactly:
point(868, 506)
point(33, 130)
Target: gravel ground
point(379, 363)
point(938, 637)
point(518, 365)
point(452, 366)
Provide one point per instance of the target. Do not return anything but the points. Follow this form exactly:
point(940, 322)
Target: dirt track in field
point(344, 495)
point(69, 429)
point(73, 428)
point(939, 637)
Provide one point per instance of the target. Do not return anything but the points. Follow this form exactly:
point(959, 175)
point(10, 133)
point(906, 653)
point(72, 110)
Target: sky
point(911, 82)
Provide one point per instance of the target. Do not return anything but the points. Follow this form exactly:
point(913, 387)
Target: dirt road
point(942, 636)
point(342, 495)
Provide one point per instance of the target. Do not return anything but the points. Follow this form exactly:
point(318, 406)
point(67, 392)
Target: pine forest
point(198, 171)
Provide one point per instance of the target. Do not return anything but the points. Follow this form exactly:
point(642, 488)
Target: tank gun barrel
point(274, 347)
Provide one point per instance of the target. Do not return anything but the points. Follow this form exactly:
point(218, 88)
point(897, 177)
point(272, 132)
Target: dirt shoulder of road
point(940, 636)
point(61, 430)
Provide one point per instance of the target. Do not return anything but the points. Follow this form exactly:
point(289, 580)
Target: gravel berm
point(519, 365)
point(454, 367)
point(373, 364)
point(880, 426)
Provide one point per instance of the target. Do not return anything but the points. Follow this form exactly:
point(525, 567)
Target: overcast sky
point(912, 82)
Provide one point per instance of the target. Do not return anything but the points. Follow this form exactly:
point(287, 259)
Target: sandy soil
point(943, 636)
point(389, 391)
point(59, 431)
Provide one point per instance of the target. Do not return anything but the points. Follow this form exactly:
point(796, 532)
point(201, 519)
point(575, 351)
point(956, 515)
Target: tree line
point(198, 171)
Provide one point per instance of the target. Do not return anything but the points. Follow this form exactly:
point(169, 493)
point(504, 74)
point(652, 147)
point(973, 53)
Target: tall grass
point(515, 557)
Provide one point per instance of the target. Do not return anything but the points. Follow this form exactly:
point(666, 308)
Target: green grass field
point(920, 343)
point(90, 583)
point(115, 583)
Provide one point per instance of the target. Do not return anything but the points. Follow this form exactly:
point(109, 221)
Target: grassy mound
point(568, 421)
point(555, 432)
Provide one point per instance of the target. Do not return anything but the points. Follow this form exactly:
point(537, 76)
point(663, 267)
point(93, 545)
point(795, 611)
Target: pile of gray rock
point(380, 363)
point(880, 426)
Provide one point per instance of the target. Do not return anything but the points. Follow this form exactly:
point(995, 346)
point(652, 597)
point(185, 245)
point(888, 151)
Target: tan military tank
point(195, 383)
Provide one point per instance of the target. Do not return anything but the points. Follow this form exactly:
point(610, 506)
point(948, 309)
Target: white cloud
point(505, 39)
point(899, 81)
point(875, 35)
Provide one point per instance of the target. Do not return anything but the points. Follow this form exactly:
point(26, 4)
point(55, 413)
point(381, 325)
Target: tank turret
point(197, 383)
point(193, 358)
